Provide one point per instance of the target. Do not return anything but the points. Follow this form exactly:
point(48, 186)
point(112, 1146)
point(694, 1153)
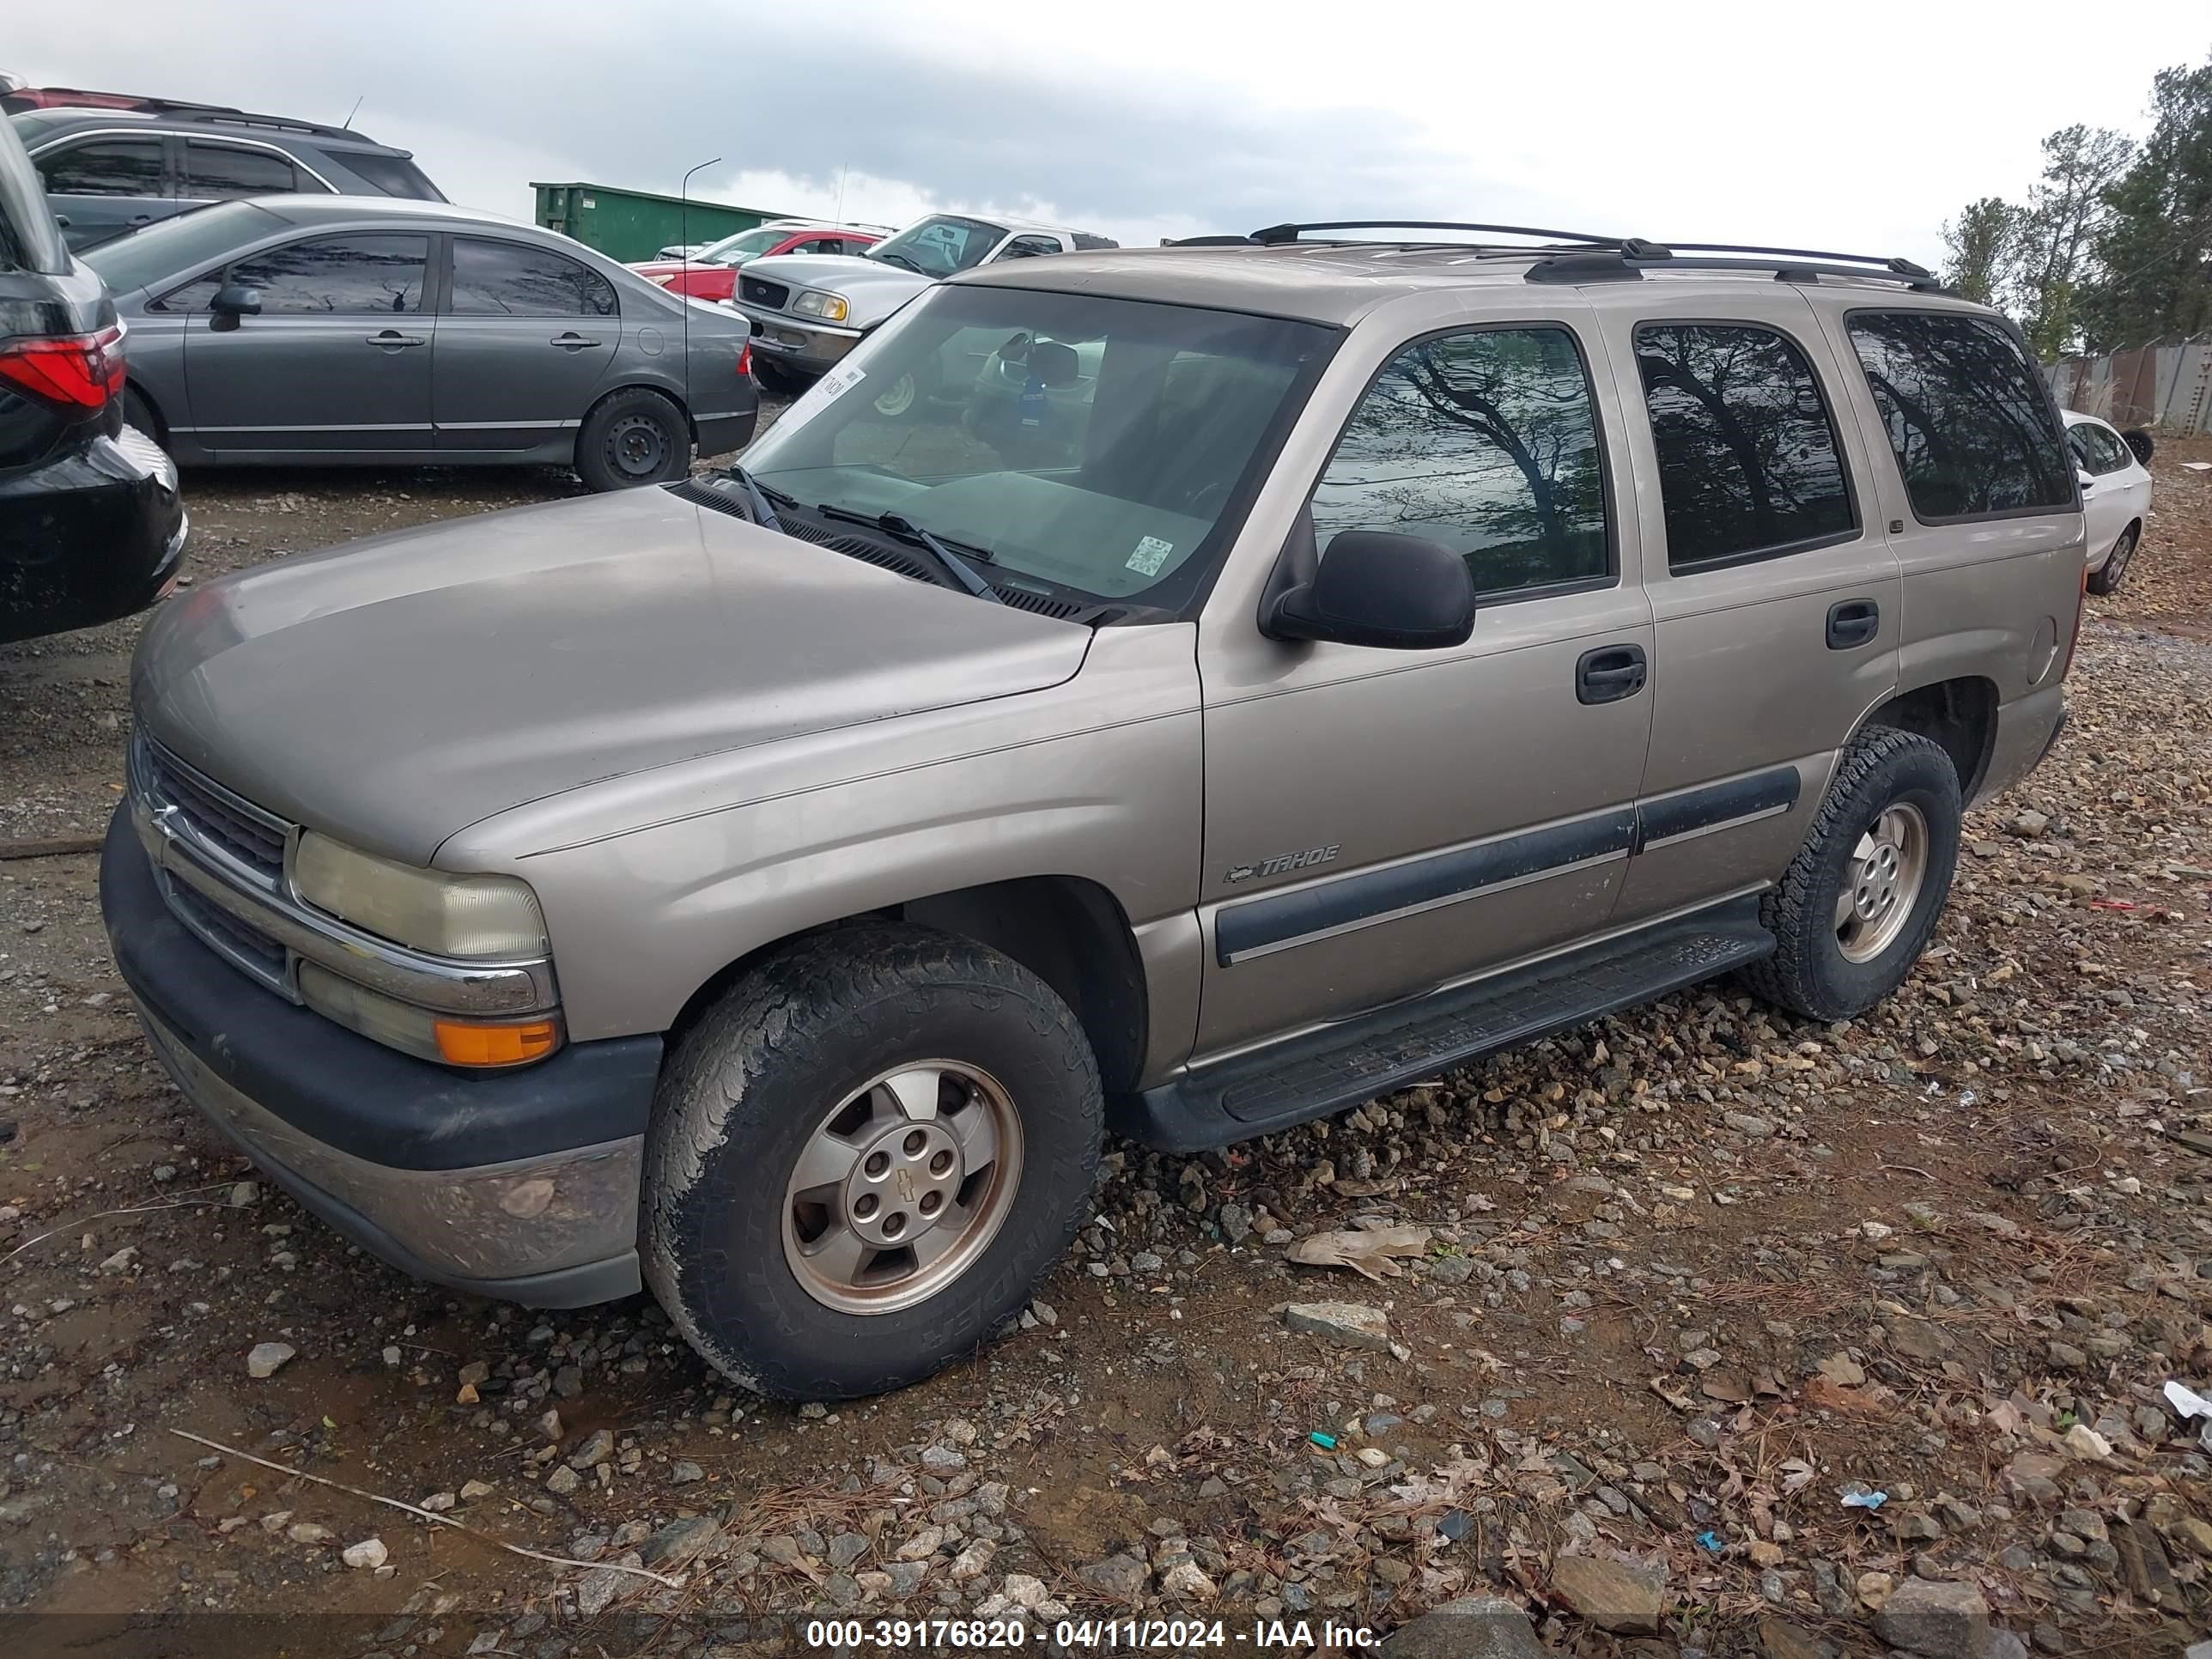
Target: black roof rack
point(1276, 235)
point(178, 109)
point(1788, 264)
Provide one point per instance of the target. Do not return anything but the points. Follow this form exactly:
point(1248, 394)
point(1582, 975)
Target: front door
point(338, 360)
point(526, 336)
point(104, 186)
point(1380, 822)
point(1778, 605)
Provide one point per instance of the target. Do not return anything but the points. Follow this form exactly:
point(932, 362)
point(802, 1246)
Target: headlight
point(494, 917)
point(830, 307)
point(470, 1042)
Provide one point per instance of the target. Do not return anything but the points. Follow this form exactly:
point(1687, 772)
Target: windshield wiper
point(757, 498)
point(907, 530)
point(901, 260)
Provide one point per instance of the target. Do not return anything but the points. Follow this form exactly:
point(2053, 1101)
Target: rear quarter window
point(1967, 418)
point(393, 175)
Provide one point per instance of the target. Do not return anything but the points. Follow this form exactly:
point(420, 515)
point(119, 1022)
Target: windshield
point(736, 249)
point(940, 244)
point(1101, 446)
point(180, 246)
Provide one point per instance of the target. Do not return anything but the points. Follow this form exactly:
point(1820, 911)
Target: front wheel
point(1862, 898)
point(634, 437)
point(862, 1158)
point(2107, 577)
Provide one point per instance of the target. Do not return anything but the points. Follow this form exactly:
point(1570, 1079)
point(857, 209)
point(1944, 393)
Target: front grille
point(253, 839)
point(775, 295)
point(245, 945)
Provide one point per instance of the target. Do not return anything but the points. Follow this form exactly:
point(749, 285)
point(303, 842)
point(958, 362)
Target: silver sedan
point(324, 329)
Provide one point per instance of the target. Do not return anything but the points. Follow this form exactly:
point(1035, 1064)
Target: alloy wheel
point(1882, 882)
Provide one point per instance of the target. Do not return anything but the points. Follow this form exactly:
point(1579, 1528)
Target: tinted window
point(369, 275)
point(161, 253)
point(1747, 460)
point(1485, 442)
point(505, 279)
point(393, 175)
point(226, 174)
point(29, 239)
point(2097, 448)
point(1029, 248)
point(1966, 417)
point(107, 166)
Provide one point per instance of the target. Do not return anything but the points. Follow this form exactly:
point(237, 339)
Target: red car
point(712, 273)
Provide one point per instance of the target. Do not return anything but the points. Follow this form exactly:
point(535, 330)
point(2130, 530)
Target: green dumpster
point(631, 225)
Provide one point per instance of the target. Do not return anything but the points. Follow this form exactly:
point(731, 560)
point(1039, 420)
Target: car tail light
point(745, 358)
point(76, 371)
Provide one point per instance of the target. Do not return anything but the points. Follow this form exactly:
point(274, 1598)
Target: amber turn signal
point(463, 1044)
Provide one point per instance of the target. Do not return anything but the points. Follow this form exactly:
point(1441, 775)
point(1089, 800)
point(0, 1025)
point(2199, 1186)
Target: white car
point(2115, 497)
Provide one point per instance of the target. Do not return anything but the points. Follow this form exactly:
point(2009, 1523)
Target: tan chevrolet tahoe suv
point(1295, 664)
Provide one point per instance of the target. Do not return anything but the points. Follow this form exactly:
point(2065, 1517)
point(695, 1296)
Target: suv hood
point(396, 690)
point(872, 288)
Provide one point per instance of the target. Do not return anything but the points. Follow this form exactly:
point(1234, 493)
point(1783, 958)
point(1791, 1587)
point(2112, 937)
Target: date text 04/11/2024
point(1088, 1635)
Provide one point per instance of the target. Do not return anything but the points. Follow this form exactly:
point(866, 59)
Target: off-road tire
point(647, 410)
point(743, 1090)
point(2107, 577)
point(1808, 974)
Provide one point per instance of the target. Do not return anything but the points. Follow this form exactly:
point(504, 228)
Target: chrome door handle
point(392, 339)
point(571, 342)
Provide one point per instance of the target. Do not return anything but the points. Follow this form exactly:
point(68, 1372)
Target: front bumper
point(96, 534)
point(804, 348)
point(521, 1185)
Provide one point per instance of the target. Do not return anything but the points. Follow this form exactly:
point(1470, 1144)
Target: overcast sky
point(1861, 127)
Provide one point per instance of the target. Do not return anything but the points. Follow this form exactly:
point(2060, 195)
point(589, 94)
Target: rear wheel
point(634, 437)
point(863, 1156)
point(2107, 577)
point(1862, 898)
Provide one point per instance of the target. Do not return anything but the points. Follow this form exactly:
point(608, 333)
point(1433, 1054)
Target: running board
point(1357, 1060)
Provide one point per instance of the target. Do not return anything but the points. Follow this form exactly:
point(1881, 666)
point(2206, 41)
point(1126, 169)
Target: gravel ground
point(1689, 1288)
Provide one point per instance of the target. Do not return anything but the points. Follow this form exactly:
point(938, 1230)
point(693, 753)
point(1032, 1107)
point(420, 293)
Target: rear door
point(1775, 594)
point(102, 184)
point(2115, 488)
point(1380, 822)
point(337, 362)
point(526, 336)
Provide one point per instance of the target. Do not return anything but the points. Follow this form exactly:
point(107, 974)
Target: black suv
point(108, 171)
point(91, 525)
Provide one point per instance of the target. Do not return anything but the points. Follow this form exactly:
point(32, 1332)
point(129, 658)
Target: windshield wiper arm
point(755, 498)
point(907, 530)
point(901, 260)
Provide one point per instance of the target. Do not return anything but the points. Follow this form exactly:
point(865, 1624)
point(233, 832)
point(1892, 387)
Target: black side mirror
point(232, 302)
point(1397, 593)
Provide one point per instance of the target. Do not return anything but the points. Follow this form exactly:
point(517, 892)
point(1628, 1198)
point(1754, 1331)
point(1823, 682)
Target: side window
point(506, 279)
point(193, 296)
point(1028, 248)
point(227, 171)
point(365, 275)
point(1748, 465)
point(106, 167)
point(1966, 417)
point(2105, 451)
point(1488, 443)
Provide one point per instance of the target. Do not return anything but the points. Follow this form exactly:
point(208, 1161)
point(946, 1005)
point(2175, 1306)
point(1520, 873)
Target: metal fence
point(2168, 388)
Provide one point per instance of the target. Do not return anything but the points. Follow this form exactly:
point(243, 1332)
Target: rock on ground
point(1475, 1627)
point(267, 1359)
point(1940, 1620)
point(369, 1553)
point(1352, 1323)
point(1611, 1594)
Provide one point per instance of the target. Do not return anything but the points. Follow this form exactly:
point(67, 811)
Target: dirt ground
point(1697, 1276)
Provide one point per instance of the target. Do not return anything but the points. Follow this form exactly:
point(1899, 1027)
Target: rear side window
point(393, 175)
point(1748, 465)
point(2097, 448)
point(227, 171)
point(505, 279)
point(1966, 417)
point(366, 274)
point(1488, 443)
point(104, 166)
point(29, 239)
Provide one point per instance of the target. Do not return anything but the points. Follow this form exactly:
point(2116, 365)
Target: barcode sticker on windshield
point(1151, 553)
point(838, 381)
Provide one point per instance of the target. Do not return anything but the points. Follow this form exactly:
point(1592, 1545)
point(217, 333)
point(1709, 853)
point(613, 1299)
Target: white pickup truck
point(808, 309)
